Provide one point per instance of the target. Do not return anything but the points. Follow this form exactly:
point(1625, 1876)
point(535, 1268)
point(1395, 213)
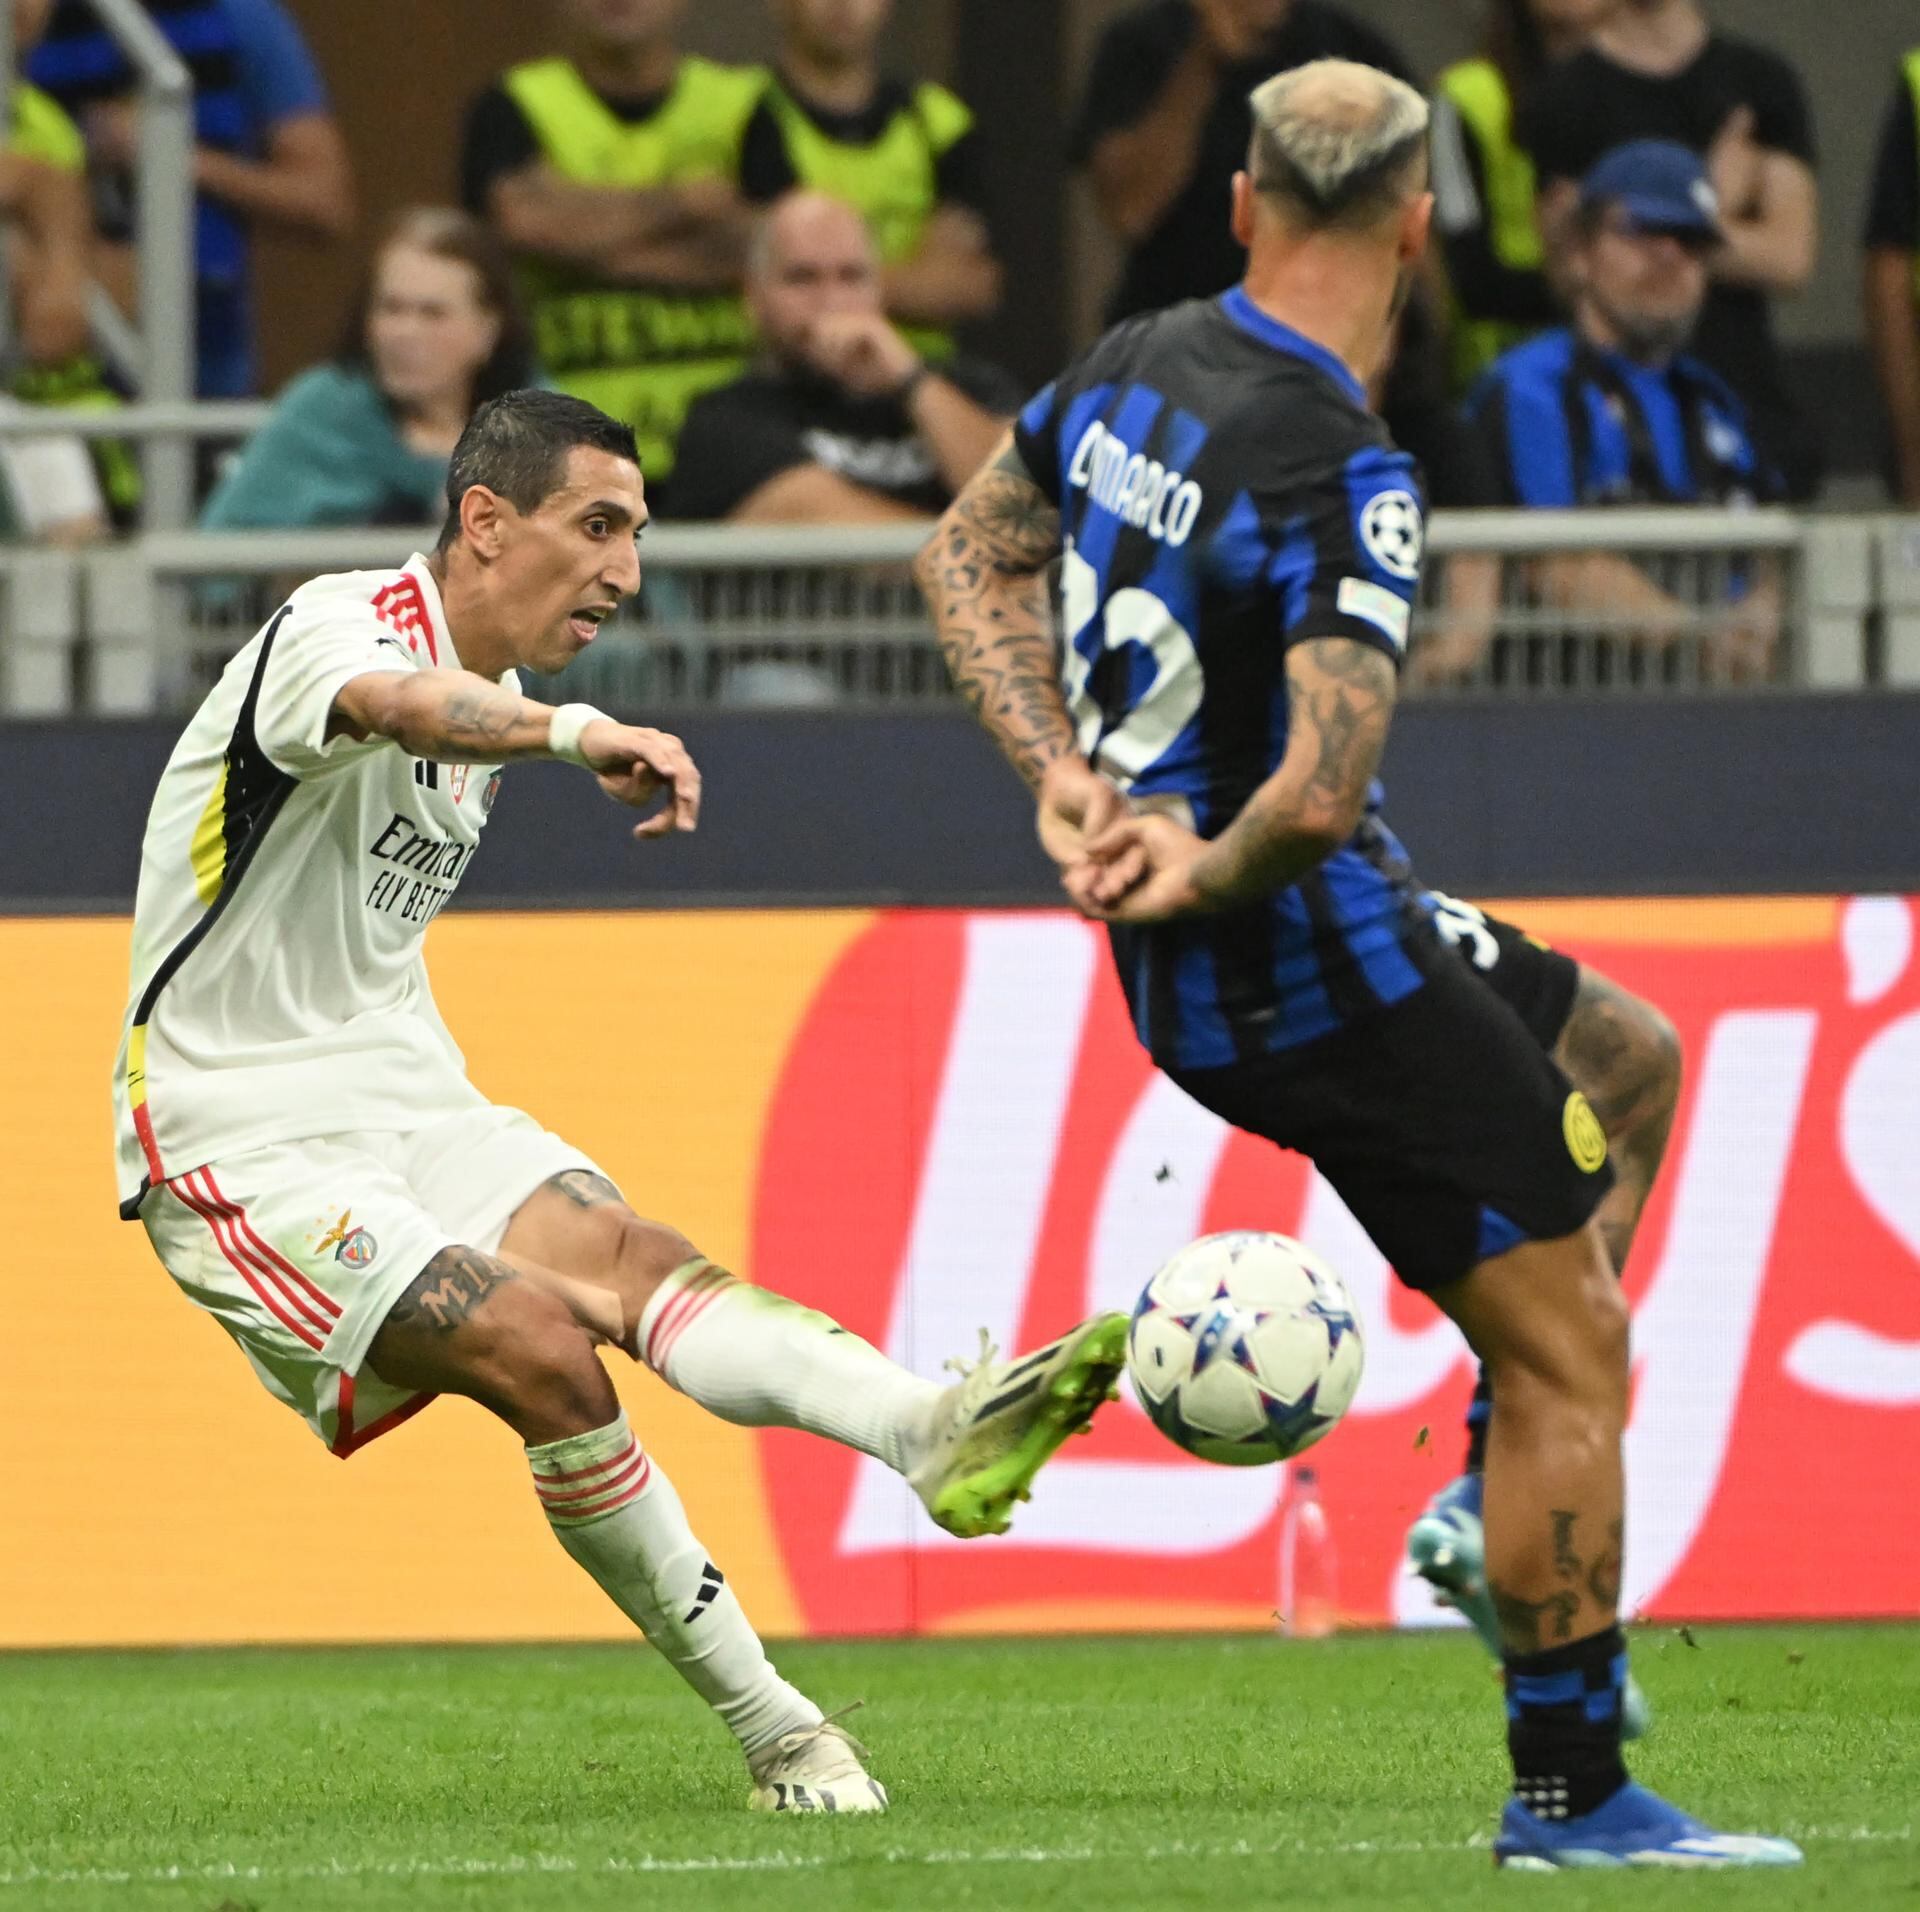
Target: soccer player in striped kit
point(1240, 545)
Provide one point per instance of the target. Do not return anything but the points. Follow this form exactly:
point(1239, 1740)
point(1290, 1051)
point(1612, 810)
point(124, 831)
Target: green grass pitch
point(1215, 1772)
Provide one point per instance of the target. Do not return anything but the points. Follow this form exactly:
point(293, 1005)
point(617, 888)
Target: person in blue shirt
point(268, 154)
point(364, 438)
point(1612, 410)
point(1240, 546)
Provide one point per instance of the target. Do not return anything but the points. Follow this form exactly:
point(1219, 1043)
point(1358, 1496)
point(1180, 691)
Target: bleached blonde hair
point(1336, 143)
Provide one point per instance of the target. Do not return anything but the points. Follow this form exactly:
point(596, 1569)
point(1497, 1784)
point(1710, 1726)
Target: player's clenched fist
point(1140, 870)
point(633, 766)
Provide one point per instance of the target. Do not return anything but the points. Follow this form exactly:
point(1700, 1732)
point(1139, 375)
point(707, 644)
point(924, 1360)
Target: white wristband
point(563, 732)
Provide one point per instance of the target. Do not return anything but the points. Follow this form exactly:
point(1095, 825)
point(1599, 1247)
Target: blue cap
point(1657, 183)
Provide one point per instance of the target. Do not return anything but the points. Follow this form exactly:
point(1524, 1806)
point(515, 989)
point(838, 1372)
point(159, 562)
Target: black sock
point(1563, 1725)
point(1479, 1413)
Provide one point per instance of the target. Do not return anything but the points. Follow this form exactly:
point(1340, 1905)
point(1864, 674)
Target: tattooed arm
point(984, 576)
point(451, 716)
point(1341, 694)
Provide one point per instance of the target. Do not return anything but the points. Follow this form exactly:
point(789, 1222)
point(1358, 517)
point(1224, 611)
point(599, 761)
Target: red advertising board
point(964, 1135)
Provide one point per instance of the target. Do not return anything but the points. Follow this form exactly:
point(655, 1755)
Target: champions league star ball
point(1245, 1348)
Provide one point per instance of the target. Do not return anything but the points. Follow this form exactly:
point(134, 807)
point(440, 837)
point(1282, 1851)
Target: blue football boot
point(1634, 1828)
point(1447, 1548)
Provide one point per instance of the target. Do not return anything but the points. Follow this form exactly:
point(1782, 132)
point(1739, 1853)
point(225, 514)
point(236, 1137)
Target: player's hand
point(634, 766)
point(860, 351)
point(1139, 871)
point(1077, 804)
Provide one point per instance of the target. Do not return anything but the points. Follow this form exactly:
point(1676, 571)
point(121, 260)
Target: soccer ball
point(1245, 1348)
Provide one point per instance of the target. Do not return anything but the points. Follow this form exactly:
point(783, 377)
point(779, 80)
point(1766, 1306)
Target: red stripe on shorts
point(328, 1306)
point(218, 1224)
point(246, 1244)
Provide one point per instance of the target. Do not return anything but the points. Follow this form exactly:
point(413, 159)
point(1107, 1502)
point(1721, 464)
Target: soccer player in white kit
point(297, 1134)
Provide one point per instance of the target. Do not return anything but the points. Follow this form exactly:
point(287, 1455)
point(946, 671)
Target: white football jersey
point(286, 884)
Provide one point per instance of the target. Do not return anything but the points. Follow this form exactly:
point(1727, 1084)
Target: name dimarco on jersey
point(1138, 490)
point(422, 875)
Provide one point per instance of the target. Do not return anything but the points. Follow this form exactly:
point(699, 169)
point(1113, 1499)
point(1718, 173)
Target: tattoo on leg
point(1622, 1054)
point(446, 1294)
point(585, 1189)
point(1566, 1562)
point(1603, 1577)
point(1529, 1625)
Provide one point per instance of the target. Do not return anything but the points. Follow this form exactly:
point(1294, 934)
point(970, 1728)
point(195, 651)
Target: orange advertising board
point(926, 1122)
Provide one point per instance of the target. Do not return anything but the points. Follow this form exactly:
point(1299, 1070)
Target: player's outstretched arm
point(458, 717)
point(1147, 869)
point(984, 577)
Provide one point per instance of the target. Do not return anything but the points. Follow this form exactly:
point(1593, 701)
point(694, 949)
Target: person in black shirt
point(1239, 546)
point(907, 156)
point(1892, 287)
point(1655, 70)
point(1164, 124)
point(841, 421)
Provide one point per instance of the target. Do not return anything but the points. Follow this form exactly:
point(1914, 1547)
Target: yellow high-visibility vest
point(641, 353)
point(1478, 91)
point(39, 128)
point(893, 182)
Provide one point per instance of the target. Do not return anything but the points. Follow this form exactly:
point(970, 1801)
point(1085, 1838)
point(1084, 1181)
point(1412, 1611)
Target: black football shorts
point(1443, 1121)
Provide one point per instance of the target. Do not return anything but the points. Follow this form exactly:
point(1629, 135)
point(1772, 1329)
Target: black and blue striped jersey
point(1225, 493)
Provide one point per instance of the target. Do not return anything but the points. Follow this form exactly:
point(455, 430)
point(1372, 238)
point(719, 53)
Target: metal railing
point(1630, 602)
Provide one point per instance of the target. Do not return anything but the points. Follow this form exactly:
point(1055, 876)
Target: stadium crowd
point(767, 270)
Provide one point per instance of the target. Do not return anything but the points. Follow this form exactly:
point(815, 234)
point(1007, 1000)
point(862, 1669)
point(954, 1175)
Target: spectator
point(1165, 123)
point(1892, 288)
point(49, 491)
point(906, 157)
point(612, 171)
point(1656, 71)
point(1485, 210)
point(1411, 394)
point(364, 439)
point(842, 422)
point(269, 155)
point(1609, 411)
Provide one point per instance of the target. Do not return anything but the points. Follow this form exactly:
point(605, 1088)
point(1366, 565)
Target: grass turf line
point(1209, 1772)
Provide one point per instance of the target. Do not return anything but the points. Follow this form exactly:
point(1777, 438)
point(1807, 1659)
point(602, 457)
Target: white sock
point(760, 1360)
point(618, 1516)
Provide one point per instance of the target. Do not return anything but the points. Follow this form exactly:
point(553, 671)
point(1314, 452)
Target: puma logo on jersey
point(1138, 490)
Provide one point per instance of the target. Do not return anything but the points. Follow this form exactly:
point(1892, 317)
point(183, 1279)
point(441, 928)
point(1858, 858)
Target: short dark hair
point(517, 445)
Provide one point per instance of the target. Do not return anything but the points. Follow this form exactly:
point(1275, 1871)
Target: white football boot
point(818, 1769)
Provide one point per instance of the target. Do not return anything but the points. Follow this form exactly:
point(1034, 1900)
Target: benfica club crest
point(489, 793)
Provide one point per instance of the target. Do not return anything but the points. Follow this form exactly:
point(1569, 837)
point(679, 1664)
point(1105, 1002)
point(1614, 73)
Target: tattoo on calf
point(446, 1294)
point(1604, 1576)
point(584, 1189)
point(1530, 1625)
point(1566, 1562)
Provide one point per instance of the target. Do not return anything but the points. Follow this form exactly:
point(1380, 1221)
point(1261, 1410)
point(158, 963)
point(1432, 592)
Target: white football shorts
point(300, 1250)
